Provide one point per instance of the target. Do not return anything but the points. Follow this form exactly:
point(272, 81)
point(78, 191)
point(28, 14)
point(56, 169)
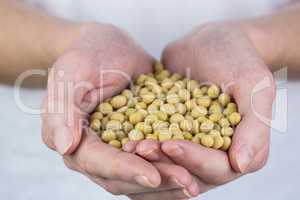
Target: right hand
point(75, 86)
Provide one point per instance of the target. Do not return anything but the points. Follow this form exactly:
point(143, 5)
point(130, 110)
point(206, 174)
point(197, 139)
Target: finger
point(209, 165)
point(175, 194)
point(250, 146)
point(98, 159)
point(150, 150)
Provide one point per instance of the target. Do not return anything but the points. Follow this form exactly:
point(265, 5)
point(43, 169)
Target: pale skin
point(241, 52)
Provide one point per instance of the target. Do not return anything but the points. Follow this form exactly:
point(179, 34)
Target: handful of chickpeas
point(163, 106)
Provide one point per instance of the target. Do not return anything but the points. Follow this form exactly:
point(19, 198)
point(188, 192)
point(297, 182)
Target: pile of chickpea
point(163, 106)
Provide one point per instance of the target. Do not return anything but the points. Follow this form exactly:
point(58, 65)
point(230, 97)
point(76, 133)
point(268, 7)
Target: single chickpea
point(197, 93)
point(158, 67)
point(141, 79)
point(136, 117)
point(96, 125)
point(105, 108)
point(213, 91)
point(198, 111)
point(118, 101)
point(158, 125)
point(186, 125)
point(190, 104)
point(123, 109)
point(224, 122)
point(127, 127)
point(108, 135)
point(187, 135)
point(173, 98)
point(168, 108)
point(167, 83)
point(184, 95)
point(181, 108)
point(164, 135)
point(214, 133)
point(179, 84)
point(141, 105)
point(204, 101)
point(234, 118)
point(143, 91)
point(175, 77)
point(226, 144)
point(162, 75)
point(148, 97)
point(218, 142)
point(124, 141)
point(204, 89)
point(127, 93)
point(178, 137)
point(115, 143)
point(189, 117)
point(144, 127)
point(206, 126)
point(150, 119)
point(113, 125)
point(195, 126)
point(227, 131)
point(215, 108)
point(118, 117)
point(130, 111)
point(207, 141)
point(224, 99)
point(157, 102)
point(176, 118)
point(202, 119)
point(215, 117)
point(151, 136)
point(162, 115)
point(96, 115)
point(135, 135)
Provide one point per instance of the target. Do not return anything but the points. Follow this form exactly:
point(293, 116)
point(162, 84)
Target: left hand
point(225, 55)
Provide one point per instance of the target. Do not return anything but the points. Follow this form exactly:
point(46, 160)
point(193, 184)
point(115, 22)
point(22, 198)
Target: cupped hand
point(98, 65)
point(224, 54)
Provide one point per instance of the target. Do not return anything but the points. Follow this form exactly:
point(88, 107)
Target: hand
point(100, 63)
point(224, 54)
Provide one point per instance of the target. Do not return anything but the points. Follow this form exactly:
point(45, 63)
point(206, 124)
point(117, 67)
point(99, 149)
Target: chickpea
point(189, 117)
point(207, 141)
point(184, 95)
point(179, 85)
point(224, 122)
point(164, 135)
point(224, 99)
point(215, 117)
point(181, 108)
point(123, 109)
point(96, 115)
point(127, 127)
point(136, 117)
point(214, 133)
point(118, 101)
point(231, 108)
point(135, 135)
point(148, 98)
point(141, 105)
point(96, 125)
point(204, 101)
point(215, 108)
point(168, 108)
point(162, 115)
point(158, 125)
point(202, 119)
point(109, 135)
point(127, 93)
point(118, 117)
point(204, 89)
point(130, 111)
point(186, 125)
point(187, 135)
point(190, 104)
point(150, 119)
point(113, 125)
point(124, 141)
point(213, 91)
point(157, 102)
point(195, 126)
point(158, 67)
point(234, 118)
point(191, 85)
point(167, 83)
point(151, 136)
point(198, 111)
point(115, 143)
point(143, 127)
point(143, 91)
point(206, 126)
point(178, 137)
point(218, 142)
point(175, 129)
point(105, 108)
point(162, 75)
point(226, 144)
point(105, 120)
point(175, 77)
point(176, 118)
point(227, 131)
point(217, 127)
point(197, 93)
point(173, 98)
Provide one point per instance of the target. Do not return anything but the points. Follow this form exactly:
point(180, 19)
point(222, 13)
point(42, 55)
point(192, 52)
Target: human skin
point(70, 46)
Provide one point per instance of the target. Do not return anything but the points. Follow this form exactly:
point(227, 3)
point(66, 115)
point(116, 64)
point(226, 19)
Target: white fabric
point(29, 171)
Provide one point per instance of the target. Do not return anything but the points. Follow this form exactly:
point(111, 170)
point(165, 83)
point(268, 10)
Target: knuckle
point(111, 188)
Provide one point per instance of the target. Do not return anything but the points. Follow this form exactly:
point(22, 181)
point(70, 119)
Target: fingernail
point(244, 158)
point(187, 194)
point(62, 139)
point(152, 154)
point(144, 181)
point(174, 180)
point(175, 151)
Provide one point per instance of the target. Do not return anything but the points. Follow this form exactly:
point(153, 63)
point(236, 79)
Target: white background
point(29, 171)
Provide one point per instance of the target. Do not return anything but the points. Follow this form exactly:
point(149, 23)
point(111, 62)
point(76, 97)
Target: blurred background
point(28, 170)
